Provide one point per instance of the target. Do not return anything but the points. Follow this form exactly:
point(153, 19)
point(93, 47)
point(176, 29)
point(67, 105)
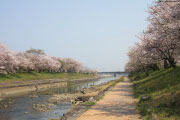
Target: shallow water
point(21, 109)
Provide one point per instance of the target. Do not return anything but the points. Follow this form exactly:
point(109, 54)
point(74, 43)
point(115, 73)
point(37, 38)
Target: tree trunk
point(147, 73)
point(172, 62)
point(165, 64)
point(154, 67)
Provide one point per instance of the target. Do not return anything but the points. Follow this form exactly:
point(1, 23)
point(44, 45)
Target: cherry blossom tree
point(36, 60)
point(71, 65)
point(160, 42)
point(24, 64)
point(163, 35)
point(8, 61)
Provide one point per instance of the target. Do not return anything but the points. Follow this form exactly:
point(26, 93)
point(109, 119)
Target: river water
point(21, 108)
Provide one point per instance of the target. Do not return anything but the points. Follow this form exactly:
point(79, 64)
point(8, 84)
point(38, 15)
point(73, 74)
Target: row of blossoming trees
point(37, 60)
point(160, 42)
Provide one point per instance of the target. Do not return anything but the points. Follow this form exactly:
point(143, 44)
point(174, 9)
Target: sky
point(98, 33)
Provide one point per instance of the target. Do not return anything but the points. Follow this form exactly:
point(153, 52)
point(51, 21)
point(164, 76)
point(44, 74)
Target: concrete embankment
point(11, 89)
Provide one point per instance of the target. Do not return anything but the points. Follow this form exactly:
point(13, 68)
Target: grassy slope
point(163, 87)
point(38, 76)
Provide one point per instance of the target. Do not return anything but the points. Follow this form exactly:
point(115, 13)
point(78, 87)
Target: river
point(20, 108)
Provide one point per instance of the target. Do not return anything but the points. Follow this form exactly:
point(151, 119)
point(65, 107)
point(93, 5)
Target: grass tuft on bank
point(42, 76)
point(162, 88)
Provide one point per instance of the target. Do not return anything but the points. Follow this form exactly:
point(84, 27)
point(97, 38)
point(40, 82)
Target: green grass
point(163, 88)
point(101, 97)
point(90, 103)
point(116, 82)
point(44, 75)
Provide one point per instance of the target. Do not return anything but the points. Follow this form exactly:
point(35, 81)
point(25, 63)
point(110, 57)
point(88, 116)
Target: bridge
point(115, 73)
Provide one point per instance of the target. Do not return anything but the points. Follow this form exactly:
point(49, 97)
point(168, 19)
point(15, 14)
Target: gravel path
point(117, 104)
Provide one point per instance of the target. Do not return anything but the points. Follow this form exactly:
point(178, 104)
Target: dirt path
point(117, 104)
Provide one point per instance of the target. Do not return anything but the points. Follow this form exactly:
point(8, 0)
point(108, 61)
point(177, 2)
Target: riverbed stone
point(82, 98)
point(72, 101)
point(91, 99)
point(33, 96)
point(5, 106)
point(42, 107)
point(83, 91)
point(25, 112)
point(78, 102)
point(10, 102)
point(58, 98)
point(145, 98)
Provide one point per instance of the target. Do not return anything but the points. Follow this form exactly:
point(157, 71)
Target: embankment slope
point(159, 94)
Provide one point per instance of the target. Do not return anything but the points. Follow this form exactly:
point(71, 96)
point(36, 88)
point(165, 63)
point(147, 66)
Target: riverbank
point(41, 76)
point(158, 94)
point(15, 87)
point(84, 101)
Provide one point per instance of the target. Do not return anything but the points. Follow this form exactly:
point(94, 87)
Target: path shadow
point(117, 109)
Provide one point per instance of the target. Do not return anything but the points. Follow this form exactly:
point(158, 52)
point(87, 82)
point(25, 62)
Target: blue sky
point(96, 32)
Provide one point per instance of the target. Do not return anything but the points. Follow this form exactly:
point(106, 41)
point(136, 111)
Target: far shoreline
point(18, 88)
